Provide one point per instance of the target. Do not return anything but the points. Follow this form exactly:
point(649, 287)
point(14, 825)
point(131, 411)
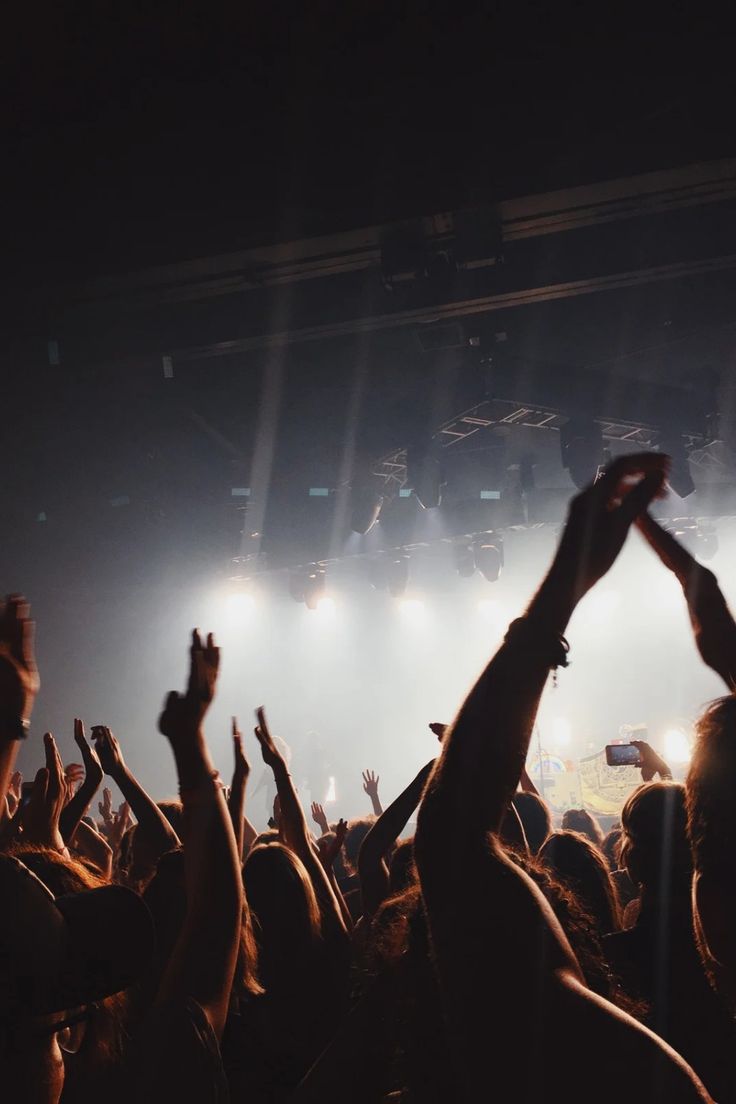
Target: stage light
point(325, 606)
point(331, 794)
point(366, 506)
point(581, 449)
point(397, 575)
point(677, 749)
point(314, 586)
point(464, 560)
point(239, 604)
point(561, 731)
point(412, 609)
point(488, 555)
point(424, 475)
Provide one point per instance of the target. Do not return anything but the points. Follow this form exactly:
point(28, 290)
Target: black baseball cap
point(65, 952)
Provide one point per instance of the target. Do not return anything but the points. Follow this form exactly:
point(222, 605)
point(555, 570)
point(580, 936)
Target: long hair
point(286, 915)
point(582, 866)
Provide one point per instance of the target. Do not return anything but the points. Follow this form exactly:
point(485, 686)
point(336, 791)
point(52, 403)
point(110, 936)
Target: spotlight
point(325, 606)
point(464, 559)
point(412, 609)
point(314, 586)
point(366, 505)
point(424, 475)
point(677, 748)
point(239, 603)
point(680, 478)
point(581, 449)
point(397, 575)
point(488, 555)
point(561, 731)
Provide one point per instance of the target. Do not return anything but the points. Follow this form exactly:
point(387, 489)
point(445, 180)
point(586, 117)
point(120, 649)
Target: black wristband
point(14, 728)
point(538, 640)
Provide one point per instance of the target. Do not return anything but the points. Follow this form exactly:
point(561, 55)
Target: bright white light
point(325, 607)
point(677, 748)
point(331, 794)
point(561, 731)
point(412, 609)
point(489, 608)
point(239, 604)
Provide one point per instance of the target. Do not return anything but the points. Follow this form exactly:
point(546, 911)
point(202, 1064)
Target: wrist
point(555, 601)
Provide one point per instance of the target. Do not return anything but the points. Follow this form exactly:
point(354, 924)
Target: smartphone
point(25, 793)
point(623, 755)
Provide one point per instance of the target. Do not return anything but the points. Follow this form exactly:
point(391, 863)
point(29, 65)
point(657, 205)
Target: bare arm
point(92, 846)
point(236, 798)
point(372, 868)
point(495, 940)
point(293, 826)
point(93, 775)
point(713, 625)
point(370, 786)
point(202, 965)
point(19, 682)
point(160, 836)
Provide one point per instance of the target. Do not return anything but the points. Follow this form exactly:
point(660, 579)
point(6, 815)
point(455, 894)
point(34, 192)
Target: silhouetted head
point(654, 845)
point(285, 912)
point(535, 817)
point(402, 872)
point(579, 864)
point(357, 831)
point(580, 820)
point(711, 823)
point(611, 848)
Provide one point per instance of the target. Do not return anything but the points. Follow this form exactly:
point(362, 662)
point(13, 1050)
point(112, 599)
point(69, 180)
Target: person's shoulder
point(176, 1053)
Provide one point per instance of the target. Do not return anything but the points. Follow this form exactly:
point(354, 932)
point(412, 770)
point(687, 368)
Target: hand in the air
point(242, 766)
point(651, 763)
point(183, 714)
point(320, 817)
point(370, 783)
point(92, 769)
point(19, 680)
point(40, 817)
point(271, 755)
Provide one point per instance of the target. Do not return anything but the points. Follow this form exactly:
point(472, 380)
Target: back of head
point(580, 820)
point(580, 865)
point(286, 916)
point(536, 818)
point(654, 845)
point(402, 872)
point(711, 826)
point(611, 848)
point(356, 833)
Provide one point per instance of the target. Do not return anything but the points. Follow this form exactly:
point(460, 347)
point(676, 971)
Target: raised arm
point(202, 965)
point(372, 868)
point(93, 775)
point(713, 625)
point(236, 798)
point(19, 682)
point(294, 830)
point(370, 787)
point(504, 966)
point(159, 834)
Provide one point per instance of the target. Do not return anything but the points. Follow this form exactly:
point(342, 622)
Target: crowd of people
point(168, 951)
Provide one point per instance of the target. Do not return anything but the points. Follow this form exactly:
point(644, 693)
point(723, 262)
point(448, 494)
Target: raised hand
point(601, 516)
point(93, 772)
point(108, 753)
point(14, 792)
point(329, 849)
point(19, 680)
point(370, 783)
point(320, 817)
point(183, 714)
point(271, 755)
point(651, 763)
point(105, 808)
point(40, 818)
point(242, 766)
point(73, 776)
point(119, 824)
